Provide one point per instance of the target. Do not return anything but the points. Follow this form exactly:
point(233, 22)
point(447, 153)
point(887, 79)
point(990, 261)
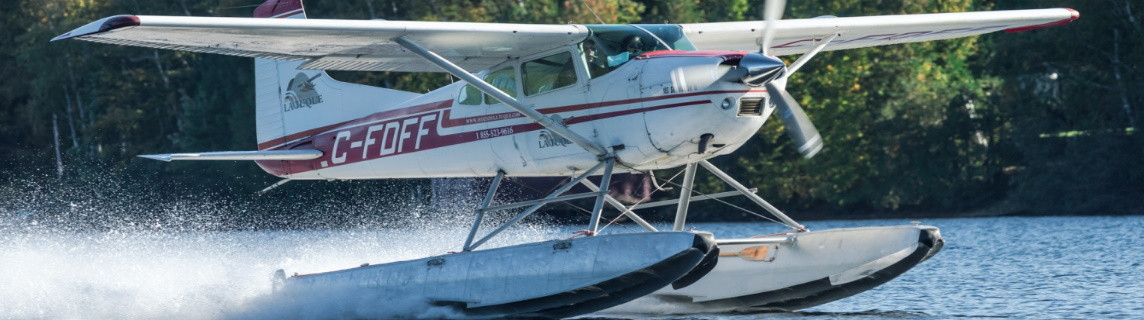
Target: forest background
point(1036, 122)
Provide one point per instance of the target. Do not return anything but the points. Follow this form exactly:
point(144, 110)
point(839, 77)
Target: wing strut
point(806, 57)
point(489, 89)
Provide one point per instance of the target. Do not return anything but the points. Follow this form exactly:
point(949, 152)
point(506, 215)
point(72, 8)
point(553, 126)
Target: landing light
point(726, 103)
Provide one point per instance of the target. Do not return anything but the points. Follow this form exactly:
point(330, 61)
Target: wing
point(797, 36)
point(362, 45)
point(367, 45)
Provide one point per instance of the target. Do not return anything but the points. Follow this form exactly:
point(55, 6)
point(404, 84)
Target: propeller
point(771, 72)
point(772, 11)
point(798, 125)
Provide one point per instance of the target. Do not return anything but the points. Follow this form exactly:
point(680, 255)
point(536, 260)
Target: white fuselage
point(650, 113)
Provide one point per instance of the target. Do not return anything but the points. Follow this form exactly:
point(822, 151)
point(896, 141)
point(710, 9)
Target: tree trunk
point(78, 99)
point(369, 7)
point(71, 118)
point(56, 140)
point(1120, 80)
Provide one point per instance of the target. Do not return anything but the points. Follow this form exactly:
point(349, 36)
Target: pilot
point(632, 46)
point(597, 66)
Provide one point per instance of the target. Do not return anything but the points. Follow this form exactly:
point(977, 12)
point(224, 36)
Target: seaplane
point(577, 101)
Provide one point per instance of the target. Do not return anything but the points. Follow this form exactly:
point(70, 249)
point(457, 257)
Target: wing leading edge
point(363, 45)
point(797, 36)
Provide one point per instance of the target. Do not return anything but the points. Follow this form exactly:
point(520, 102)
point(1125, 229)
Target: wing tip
point(101, 26)
point(1073, 15)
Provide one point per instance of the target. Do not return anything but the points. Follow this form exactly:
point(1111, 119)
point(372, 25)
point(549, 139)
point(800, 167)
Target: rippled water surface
point(1016, 268)
point(1013, 267)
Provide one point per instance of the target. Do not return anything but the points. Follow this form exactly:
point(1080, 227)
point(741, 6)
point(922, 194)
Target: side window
point(503, 79)
point(469, 96)
point(551, 72)
point(596, 59)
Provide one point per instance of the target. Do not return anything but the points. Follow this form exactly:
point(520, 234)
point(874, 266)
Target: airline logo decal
point(548, 139)
point(300, 93)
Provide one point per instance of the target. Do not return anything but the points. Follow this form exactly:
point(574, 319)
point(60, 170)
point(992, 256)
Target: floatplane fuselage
point(659, 110)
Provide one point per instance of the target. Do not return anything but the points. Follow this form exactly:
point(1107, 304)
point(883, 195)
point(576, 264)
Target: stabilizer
point(297, 154)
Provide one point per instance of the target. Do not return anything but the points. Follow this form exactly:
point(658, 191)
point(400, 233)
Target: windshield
point(610, 46)
point(650, 37)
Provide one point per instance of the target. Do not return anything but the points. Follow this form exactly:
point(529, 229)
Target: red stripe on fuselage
point(449, 122)
point(406, 135)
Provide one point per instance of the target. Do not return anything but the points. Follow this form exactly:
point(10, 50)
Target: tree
point(1071, 100)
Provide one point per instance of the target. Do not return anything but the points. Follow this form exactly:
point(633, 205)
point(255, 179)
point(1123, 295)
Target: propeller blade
point(798, 125)
point(772, 11)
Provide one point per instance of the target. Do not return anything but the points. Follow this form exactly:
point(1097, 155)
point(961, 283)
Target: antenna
point(593, 11)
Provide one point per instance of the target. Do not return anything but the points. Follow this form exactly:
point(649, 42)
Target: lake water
point(1012, 267)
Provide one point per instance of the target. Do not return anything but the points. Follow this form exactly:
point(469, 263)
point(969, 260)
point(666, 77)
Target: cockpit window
point(551, 72)
point(610, 46)
point(469, 96)
point(503, 79)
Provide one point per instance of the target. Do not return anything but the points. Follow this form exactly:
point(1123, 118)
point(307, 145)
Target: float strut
point(754, 197)
point(605, 181)
point(481, 212)
point(537, 206)
point(620, 206)
point(684, 197)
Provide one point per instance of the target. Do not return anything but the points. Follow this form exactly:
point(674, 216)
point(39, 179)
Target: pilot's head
point(589, 47)
point(633, 44)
